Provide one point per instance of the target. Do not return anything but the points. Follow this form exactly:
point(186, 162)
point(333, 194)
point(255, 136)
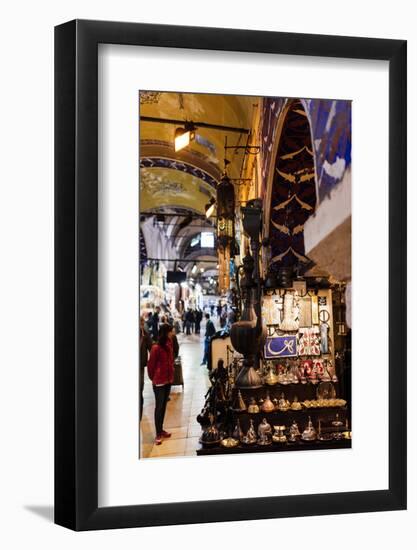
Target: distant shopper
point(223, 316)
point(175, 344)
point(219, 309)
point(198, 319)
point(155, 323)
point(149, 323)
point(161, 372)
point(145, 347)
point(188, 321)
point(210, 332)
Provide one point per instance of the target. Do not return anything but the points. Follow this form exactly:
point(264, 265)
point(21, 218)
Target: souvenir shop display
point(283, 339)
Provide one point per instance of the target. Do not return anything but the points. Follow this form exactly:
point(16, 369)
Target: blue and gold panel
point(280, 346)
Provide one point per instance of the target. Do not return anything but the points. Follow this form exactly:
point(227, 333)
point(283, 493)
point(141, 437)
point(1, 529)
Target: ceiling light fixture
point(184, 136)
point(209, 208)
point(194, 269)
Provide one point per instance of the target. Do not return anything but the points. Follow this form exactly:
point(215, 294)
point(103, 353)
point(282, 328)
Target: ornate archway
point(293, 189)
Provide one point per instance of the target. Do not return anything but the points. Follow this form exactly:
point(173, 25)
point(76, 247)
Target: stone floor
point(183, 407)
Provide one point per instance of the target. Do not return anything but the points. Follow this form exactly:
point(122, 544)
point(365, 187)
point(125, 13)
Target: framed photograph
point(230, 274)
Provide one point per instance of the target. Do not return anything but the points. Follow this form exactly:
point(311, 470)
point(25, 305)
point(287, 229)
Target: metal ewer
point(246, 334)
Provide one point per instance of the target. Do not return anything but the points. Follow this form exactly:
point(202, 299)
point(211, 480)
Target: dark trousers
point(141, 385)
point(161, 399)
point(206, 351)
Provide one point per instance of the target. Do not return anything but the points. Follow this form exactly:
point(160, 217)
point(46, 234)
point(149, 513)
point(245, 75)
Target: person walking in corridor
point(198, 319)
point(145, 346)
point(161, 372)
point(210, 332)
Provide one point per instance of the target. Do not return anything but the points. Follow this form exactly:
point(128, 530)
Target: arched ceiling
point(187, 178)
point(183, 182)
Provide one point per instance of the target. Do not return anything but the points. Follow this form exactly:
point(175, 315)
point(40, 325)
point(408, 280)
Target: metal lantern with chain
point(225, 228)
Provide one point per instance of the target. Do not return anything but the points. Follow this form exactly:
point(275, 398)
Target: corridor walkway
point(183, 407)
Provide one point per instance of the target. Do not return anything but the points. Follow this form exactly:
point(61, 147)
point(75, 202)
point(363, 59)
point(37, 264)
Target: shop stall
point(281, 383)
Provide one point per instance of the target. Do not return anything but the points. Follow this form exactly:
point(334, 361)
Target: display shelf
point(325, 411)
point(277, 447)
point(282, 387)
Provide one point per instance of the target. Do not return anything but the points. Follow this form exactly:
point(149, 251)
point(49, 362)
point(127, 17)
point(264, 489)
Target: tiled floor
point(183, 407)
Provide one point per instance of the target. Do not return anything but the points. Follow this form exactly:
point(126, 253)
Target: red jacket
point(161, 364)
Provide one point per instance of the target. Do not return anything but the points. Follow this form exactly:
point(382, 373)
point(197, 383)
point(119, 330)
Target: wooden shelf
point(278, 447)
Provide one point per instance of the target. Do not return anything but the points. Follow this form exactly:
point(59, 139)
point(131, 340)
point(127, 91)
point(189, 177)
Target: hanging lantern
point(225, 228)
point(225, 211)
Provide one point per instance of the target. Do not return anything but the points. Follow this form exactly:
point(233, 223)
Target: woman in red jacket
point(161, 372)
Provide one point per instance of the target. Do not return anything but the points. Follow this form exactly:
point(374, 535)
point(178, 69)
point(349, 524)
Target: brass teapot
point(294, 432)
point(271, 378)
point(253, 407)
point(283, 404)
point(296, 405)
point(264, 433)
point(267, 405)
point(250, 437)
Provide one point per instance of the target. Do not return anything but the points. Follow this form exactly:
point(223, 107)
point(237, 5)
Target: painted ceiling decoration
point(173, 188)
point(186, 180)
point(271, 110)
point(149, 97)
point(293, 196)
point(222, 110)
point(331, 128)
point(158, 148)
point(172, 164)
point(330, 123)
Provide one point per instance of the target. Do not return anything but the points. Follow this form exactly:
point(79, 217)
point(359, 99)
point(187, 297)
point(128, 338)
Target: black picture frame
point(76, 271)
